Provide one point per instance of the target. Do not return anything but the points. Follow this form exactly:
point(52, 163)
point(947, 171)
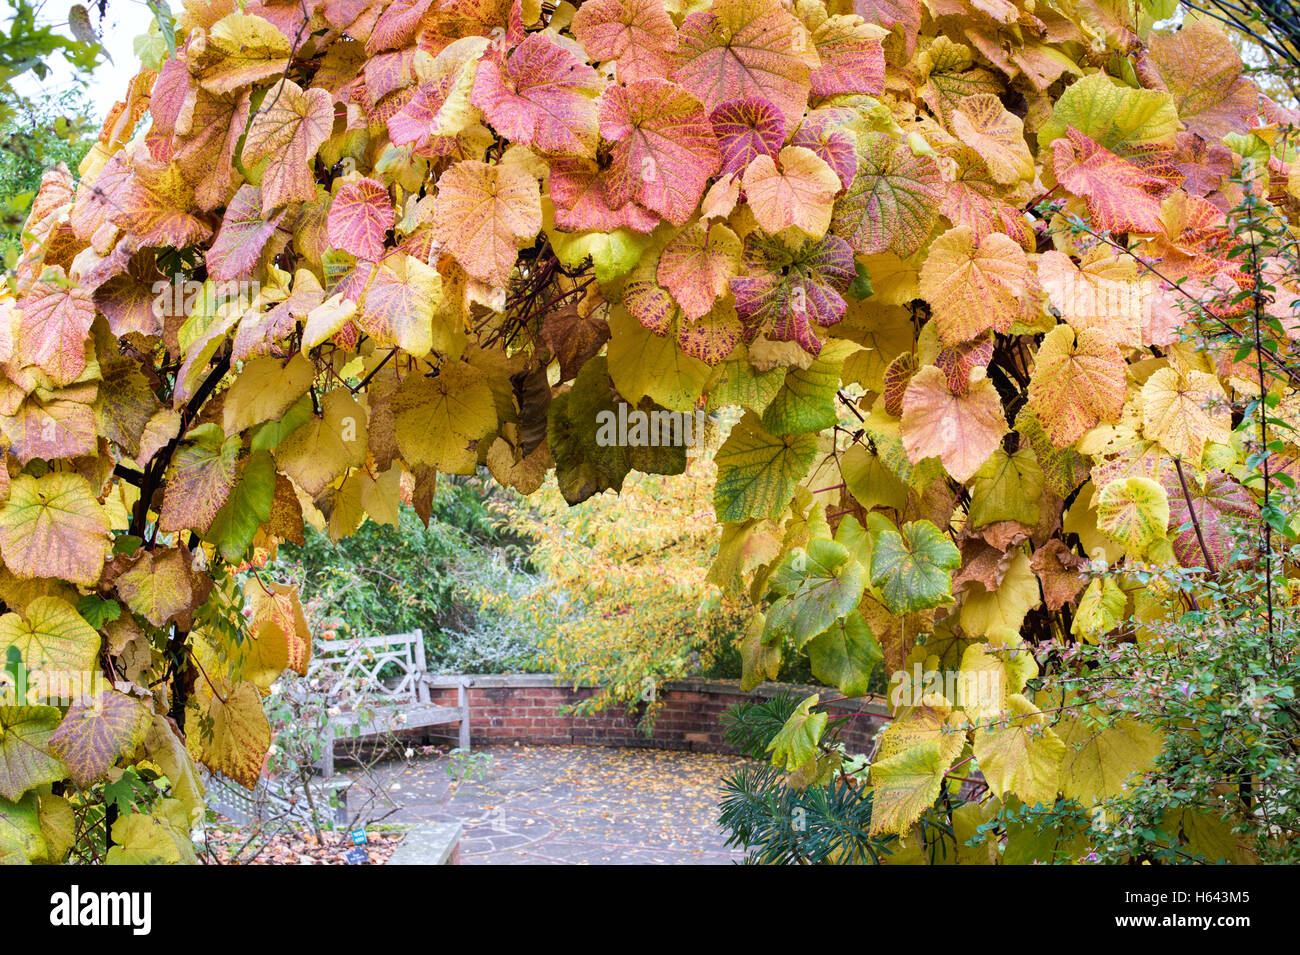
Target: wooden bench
point(381, 685)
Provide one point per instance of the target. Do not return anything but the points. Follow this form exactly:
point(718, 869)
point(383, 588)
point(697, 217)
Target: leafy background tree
point(36, 136)
point(623, 600)
point(448, 578)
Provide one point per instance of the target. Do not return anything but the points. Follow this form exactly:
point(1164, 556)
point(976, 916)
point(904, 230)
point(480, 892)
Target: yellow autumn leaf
point(975, 286)
point(1185, 411)
point(1022, 755)
point(1099, 763)
point(998, 135)
point(985, 611)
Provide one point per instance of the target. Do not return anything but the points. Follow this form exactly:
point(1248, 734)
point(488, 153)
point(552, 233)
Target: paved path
point(574, 805)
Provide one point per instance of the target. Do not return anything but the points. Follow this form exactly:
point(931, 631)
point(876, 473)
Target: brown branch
point(1191, 509)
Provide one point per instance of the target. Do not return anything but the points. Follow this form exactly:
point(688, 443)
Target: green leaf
point(1119, 117)
point(25, 760)
point(248, 508)
point(805, 401)
point(21, 841)
point(52, 637)
point(912, 568)
point(737, 382)
point(98, 611)
point(796, 743)
point(860, 287)
point(268, 435)
point(1133, 511)
point(845, 654)
point(816, 587)
point(758, 471)
point(1101, 608)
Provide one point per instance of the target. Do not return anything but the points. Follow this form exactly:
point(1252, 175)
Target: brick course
point(528, 708)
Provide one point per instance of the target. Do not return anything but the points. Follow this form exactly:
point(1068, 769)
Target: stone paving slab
point(574, 805)
point(428, 843)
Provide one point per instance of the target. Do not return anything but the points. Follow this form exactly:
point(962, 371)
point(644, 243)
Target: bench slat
point(385, 718)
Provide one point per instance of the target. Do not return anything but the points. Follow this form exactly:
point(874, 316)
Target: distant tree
point(26, 45)
point(625, 602)
point(33, 138)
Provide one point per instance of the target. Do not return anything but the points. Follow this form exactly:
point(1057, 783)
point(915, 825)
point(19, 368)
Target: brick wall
point(528, 709)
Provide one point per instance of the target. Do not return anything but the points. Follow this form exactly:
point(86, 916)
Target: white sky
point(123, 21)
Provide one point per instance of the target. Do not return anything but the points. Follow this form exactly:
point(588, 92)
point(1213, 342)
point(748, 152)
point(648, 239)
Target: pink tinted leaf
point(243, 235)
point(746, 129)
point(544, 97)
point(822, 133)
point(1122, 195)
point(904, 14)
point(56, 318)
point(664, 148)
point(637, 35)
point(697, 265)
point(852, 57)
point(578, 190)
point(747, 48)
point(359, 218)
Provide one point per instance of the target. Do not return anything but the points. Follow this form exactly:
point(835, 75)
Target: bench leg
point(327, 753)
point(462, 700)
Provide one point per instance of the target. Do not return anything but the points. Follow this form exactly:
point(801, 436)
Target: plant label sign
point(357, 856)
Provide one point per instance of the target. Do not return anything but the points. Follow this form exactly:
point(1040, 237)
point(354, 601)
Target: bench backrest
point(358, 664)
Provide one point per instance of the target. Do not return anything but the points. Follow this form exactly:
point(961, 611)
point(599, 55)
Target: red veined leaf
point(664, 148)
point(543, 97)
point(1216, 501)
point(359, 219)
point(746, 129)
point(1121, 195)
point(397, 25)
point(822, 133)
point(851, 53)
point(637, 35)
point(696, 266)
point(97, 731)
point(242, 236)
point(578, 190)
point(484, 215)
point(129, 300)
point(287, 130)
point(56, 319)
point(904, 14)
point(784, 293)
point(1202, 70)
point(893, 200)
point(747, 49)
